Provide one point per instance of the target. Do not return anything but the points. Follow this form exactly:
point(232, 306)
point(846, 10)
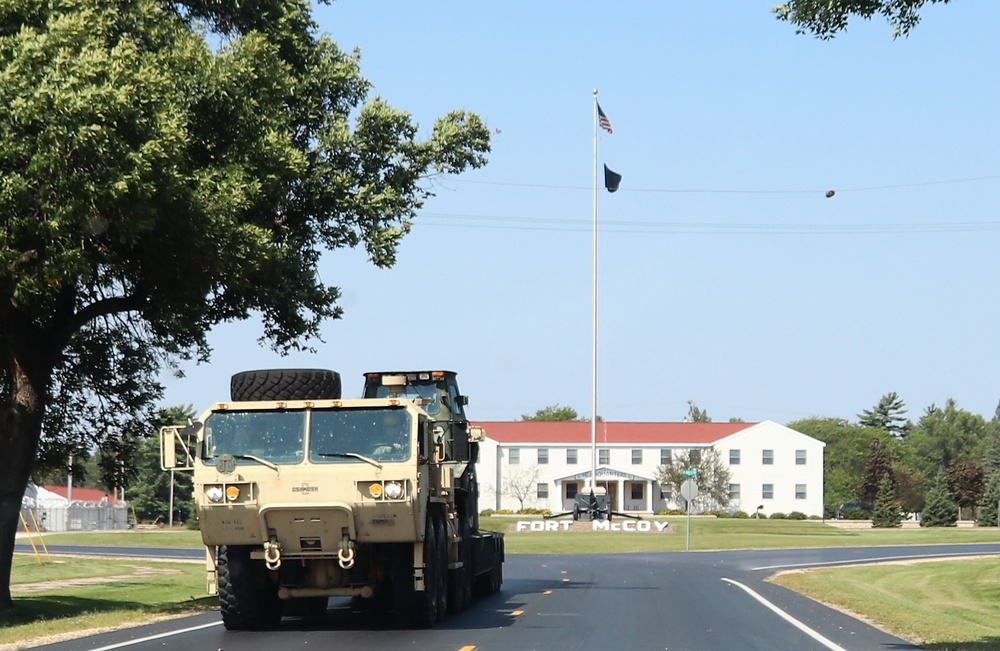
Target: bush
point(854, 514)
point(796, 515)
point(671, 512)
point(485, 513)
point(741, 515)
point(533, 511)
point(778, 516)
point(503, 512)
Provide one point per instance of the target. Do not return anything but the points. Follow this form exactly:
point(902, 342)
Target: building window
point(800, 491)
point(636, 457)
point(734, 457)
point(543, 491)
point(800, 457)
point(695, 456)
point(571, 457)
point(734, 491)
point(768, 458)
point(571, 488)
point(666, 493)
point(637, 492)
point(767, 491)
point(665, 456)
point(543, 456)
point(604, 456)
point(514, 456)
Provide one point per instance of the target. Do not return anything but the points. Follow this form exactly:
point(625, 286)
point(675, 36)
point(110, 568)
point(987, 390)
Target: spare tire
point(285, 384)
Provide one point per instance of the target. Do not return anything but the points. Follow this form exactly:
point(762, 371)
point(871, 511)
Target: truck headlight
point(214, 494)
point(393, 491)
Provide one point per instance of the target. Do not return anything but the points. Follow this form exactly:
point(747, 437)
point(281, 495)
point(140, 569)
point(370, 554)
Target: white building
point(772, 467)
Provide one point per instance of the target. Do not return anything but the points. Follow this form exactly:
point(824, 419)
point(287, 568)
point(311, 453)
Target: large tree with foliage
point(877, 467)
point(848, 447)
point(966, 483)
point(889, 414)
point(167, 165)
point(826, 18)
point(944, 436)
point(712, 477)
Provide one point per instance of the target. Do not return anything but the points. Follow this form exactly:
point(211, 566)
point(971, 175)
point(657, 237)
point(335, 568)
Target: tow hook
point(272, 554)
point(346, 553)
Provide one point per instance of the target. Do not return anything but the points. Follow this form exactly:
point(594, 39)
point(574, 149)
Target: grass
point(729, 533)
point(949, 606)
point(61, 598)
point(945, 606)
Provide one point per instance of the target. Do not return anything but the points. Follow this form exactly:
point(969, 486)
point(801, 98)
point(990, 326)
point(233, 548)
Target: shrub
point(671, 512)
point(778, 516)
point(854, 513)
point(485, 513)
point(533, 511)
point(741, 515)
point(796, 515)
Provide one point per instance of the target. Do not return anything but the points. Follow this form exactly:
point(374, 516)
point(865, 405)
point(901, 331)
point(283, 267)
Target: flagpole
point(593, 411)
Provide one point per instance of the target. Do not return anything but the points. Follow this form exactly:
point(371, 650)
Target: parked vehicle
point(853, 511)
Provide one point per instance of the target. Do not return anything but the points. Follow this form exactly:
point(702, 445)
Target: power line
point(688, 227)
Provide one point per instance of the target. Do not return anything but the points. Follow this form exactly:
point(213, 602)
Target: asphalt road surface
point(678, 601)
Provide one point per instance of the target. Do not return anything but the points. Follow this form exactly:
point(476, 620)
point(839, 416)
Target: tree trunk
point(20, 431)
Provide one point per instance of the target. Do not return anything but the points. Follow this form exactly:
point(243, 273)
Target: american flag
point(603, 120)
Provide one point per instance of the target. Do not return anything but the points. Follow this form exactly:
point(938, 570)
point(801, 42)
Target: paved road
point(695, 601)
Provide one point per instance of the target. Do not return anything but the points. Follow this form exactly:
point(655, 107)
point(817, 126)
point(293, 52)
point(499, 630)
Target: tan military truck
point(302, 495)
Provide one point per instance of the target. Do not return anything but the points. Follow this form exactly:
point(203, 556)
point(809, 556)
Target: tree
point(991, 452)
point(150, 493)
point(696, 415)
point(886, 514)
point(553, 413)
point(825, 18)
point(889, 414)
point(988, 504)
point(848, 447)
point(878, 466)
point(940, 510)
point(944, 436)
point(965, 483)
point(712, 477)
point(521, 483)
point(165, 166)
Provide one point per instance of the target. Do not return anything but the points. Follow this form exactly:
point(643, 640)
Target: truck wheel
point(285, 384)
point(413, 608)
point(442, 574)
point(247, 598)
point(460, 580)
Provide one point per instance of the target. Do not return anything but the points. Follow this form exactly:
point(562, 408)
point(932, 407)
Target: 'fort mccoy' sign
point(641, 526)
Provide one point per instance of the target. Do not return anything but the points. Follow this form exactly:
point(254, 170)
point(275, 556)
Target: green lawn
point(949, 605)
point(57, 597)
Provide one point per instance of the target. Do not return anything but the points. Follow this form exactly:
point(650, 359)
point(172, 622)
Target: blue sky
point(725, 274)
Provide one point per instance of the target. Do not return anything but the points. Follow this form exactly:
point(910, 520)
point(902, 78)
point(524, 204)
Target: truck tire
point(442, 574)
point(285, 384)
point(413, 608)
point(247, 599)
point(460, 579)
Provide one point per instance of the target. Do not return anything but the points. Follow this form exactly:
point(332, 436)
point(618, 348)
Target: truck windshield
point(276, 436)
point(380, 434)
point(426, 391)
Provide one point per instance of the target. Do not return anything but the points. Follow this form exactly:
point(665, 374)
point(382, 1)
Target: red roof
point(82, 494)
point(611, 433)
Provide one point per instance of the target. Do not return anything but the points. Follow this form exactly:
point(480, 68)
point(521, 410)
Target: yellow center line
point(468, 647)
point(517, 612)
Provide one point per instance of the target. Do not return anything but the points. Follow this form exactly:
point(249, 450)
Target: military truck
point(302, 495)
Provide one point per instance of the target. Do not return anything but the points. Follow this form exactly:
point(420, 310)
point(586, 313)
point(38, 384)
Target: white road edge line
point(156, 637)
point(791, 620)
point(873, 561)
